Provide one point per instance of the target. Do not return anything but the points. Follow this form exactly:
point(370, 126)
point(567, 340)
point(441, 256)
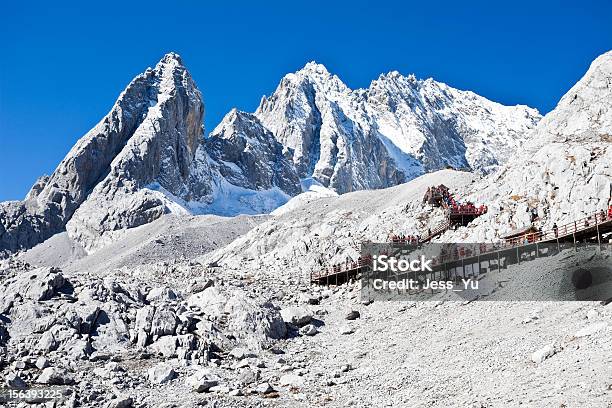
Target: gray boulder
point(264, 388)
point(161, 373)
point(121, 402)
point(42, 363)
point(240, 353)
point(201, 381)
point(54, 376)
point(4, 334)
point(39, 284)
point(47, 342)
point(352, 315)
point(165, 346)
point(164, 322)
point(161, 294)
point(297, 316)
point(253, 324)
point(309, 330)
point(14, 381)
point(209, 301)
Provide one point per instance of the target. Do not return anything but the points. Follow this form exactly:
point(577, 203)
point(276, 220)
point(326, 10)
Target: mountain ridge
point(148, 156)
point(423, 125)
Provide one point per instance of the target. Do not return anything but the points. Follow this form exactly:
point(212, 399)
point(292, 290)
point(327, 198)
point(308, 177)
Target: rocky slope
point(240, 326)
point(564, 171)
point(395, 130)
point(164, 322)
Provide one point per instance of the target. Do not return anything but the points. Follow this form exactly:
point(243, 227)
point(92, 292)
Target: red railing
point(564, 230)
point(453, 210)
point(342, 267)
point(468, 210)
point(405, 239)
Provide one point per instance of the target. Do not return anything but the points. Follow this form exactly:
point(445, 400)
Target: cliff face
point(101, 156)
point(391, 132)
point(160, 151)
point(247, 155)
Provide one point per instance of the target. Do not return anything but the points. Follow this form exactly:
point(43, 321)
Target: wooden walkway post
point(598, 237)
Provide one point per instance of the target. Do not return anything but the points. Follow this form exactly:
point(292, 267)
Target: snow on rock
point(442, 126)
point(312, 190)
point(315, 114)
point(247, 155)
point(395, 130)
point(252, 173)
point(148, 156)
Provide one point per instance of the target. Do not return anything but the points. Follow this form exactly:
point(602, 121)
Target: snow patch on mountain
point(312, 190)
point(231, 200)
point(401, 126)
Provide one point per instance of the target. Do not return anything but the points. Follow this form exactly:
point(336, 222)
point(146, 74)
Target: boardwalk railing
point(554, 234)
point(593, 221)
point(439, 229)
point(339, 269)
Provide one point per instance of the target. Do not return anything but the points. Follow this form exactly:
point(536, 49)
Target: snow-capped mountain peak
point(415, 126)
point(314, 68)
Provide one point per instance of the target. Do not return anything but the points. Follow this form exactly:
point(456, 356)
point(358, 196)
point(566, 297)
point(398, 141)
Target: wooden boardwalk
point(590, 228)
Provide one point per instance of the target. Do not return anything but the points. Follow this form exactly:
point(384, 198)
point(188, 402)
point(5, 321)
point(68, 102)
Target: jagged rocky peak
point(157, 156)
point(163, 146)
point(247, 155)
point(423, 125)
point(150, 134)
point(294, 119)
point(325, 123)
point(443, 126)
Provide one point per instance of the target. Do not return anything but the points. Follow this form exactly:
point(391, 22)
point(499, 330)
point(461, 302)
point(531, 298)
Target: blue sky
point(63, 65)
